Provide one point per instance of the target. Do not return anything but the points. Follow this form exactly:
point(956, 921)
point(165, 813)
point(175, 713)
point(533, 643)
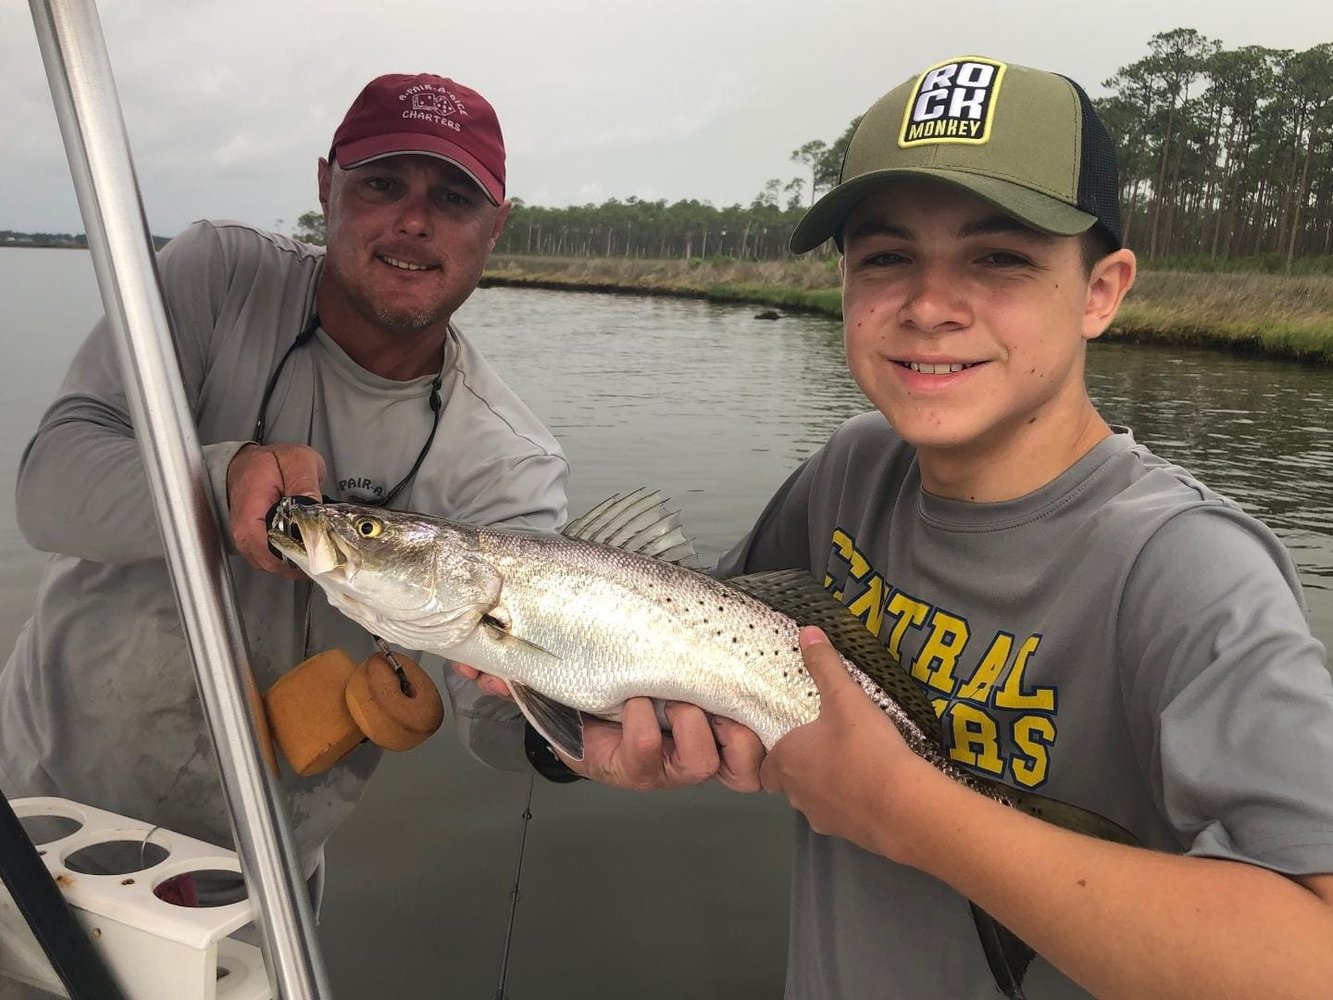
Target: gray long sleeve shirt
point(98, 701)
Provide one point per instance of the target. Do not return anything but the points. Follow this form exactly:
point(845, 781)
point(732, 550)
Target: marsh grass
point(1251, 311)
point(1288, 316)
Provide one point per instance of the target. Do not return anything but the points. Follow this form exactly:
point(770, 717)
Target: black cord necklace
point(301, 340)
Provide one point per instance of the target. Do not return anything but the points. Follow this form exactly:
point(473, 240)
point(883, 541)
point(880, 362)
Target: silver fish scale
point(622, 625)
point(625, 625)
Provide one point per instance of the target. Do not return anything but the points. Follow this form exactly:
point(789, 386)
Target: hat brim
point(1032, 208)
point(362, 151)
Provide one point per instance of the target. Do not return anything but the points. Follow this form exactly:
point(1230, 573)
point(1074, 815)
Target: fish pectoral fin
point(559, 725)
point(530, 646)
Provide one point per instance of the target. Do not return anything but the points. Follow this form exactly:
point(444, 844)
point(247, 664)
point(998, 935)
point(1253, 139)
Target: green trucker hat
point(1027, 141)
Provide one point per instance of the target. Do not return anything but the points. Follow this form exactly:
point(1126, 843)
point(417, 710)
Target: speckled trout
point(578, 622)
point(609, 609)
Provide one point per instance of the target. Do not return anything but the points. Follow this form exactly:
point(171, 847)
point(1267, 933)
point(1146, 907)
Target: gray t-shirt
point(98, 702)
point(1123, 639)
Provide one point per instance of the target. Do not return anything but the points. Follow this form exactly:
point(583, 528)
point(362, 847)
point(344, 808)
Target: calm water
point(681, 894)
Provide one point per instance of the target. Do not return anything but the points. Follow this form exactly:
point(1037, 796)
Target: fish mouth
point(300, 536)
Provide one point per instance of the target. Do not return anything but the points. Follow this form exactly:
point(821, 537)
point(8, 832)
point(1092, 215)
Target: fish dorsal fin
point(638, 522)
point(559, 725)
point(796, 594)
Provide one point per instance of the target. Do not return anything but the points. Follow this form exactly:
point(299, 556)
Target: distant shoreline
point(1277, 316)
point(34, 245)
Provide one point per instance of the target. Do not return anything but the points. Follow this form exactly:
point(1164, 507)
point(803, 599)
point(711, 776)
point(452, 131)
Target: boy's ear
point(1110, 280)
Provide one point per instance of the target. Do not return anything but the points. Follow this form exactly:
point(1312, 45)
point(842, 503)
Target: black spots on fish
point(734, 639)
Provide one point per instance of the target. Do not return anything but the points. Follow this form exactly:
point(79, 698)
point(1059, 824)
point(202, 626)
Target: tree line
point(1223, 154)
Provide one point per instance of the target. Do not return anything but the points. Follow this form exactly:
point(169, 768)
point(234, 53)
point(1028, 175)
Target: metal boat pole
point(83, 90)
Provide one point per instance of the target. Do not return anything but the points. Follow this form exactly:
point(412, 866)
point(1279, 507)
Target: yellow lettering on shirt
point(975, 739)
point(979, 685)
point(1012, 695)
point(1033, 735)
point(843, 546)
point(938, 656)
point(869, 607)
point(994, 720)
point(904, 611)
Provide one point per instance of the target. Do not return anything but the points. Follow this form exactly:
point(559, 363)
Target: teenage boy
point(1093, 622)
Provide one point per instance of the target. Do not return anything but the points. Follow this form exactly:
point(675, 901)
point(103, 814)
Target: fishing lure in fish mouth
point(580, 621)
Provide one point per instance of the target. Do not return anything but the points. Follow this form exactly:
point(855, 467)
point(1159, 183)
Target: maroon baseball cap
point(423, 113)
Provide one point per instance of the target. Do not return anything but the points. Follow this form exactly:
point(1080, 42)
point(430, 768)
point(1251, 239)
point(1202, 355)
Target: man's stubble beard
point(406, 322)
point(386, 316)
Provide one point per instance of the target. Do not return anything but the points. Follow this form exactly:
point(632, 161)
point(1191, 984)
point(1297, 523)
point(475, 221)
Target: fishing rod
point(76, 962)
point(514, 894)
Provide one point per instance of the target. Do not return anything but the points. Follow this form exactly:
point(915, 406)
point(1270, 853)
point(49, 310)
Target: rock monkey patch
point(953, 102)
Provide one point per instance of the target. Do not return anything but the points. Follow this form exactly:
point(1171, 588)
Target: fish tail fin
point(1007, 954)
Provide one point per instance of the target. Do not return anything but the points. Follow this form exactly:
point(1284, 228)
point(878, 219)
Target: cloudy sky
point(229, 104)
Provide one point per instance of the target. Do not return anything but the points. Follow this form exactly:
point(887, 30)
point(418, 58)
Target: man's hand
point(636, 754)
point(487, 682)
point(841, 770)
point(259, 476)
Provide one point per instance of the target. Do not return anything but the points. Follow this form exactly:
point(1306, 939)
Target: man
point(1091, 622)
point(309, 371)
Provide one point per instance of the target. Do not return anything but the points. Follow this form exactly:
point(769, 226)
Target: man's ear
point(1110, 280)
point(498, 224)
point(325, 185)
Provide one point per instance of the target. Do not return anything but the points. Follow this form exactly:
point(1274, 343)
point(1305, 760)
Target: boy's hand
point(840, 769)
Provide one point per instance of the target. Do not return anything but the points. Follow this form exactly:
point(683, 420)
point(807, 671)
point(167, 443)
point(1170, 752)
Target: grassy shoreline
point(1273, 315)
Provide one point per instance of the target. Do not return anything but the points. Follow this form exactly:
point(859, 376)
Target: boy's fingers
point(821, 659)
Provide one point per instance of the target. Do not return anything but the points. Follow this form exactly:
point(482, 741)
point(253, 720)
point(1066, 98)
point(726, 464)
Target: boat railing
point(83, 90)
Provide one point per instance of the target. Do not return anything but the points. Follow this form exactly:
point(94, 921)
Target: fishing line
point(514, 893)
point(143, 846)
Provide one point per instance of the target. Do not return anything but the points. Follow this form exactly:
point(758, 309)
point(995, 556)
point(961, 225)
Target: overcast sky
point(229, 104)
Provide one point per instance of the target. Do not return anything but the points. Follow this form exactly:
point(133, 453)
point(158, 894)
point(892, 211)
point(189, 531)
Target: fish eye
point(368, 527)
